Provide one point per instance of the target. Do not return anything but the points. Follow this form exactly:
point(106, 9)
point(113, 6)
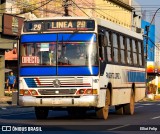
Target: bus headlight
point(26, 92)
point(33, 92)
point(81, 91)
point(88, 91)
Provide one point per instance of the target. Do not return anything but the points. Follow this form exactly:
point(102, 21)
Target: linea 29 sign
point(57, 25)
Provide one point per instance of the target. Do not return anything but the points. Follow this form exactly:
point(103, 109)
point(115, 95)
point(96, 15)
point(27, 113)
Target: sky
point(151, 6)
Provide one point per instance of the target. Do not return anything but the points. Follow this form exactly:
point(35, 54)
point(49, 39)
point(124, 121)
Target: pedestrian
point(11, 80)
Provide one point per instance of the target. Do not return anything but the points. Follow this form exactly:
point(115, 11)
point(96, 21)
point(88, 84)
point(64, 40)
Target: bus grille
point(43, 82)
point(56, 91)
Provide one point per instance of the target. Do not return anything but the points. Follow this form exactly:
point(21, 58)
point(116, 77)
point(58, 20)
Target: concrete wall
point(105, 9)
point(2, 73)
point(114, 12)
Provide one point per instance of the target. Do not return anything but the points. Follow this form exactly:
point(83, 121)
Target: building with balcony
point(10, 28)
point(117, 11)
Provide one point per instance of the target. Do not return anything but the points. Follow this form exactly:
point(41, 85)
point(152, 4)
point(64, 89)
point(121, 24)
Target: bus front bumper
point(82, 101)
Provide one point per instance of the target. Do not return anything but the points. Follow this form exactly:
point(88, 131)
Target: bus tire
point(119, 109)
point(102, 113)
point(41, 113)
point(129, 108)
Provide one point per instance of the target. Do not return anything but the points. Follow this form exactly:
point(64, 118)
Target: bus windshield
point(62, 52)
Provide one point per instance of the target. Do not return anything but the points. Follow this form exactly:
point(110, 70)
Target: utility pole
point(146, 56)
point(65, 5)
point(147, 33)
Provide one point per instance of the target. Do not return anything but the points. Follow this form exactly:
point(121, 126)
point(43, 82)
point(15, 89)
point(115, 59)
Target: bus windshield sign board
point(59, 25)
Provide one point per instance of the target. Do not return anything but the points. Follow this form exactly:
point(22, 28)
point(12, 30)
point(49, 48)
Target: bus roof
point(118, 28)
point(100, 22)
point(61, 18)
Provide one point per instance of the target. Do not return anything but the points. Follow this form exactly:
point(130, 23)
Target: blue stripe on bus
point(37, 71)
point(61, 37)
point(77, 71)
point(30, 82)
point(62, 71)
point(136, 76)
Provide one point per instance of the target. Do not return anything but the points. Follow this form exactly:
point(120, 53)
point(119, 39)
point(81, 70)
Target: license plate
point(56, 101)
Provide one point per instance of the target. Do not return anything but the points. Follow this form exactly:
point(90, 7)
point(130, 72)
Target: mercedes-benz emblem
point(56, 83)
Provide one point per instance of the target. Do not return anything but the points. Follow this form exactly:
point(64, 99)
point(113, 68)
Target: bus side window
point(109, 49)
point(140, 53)
point(122, 49)
point(115, 47)
point(129, 53)
point(134, 47)
point(102, 45)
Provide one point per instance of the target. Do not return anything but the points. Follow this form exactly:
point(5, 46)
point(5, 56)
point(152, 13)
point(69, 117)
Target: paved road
point(147, 116)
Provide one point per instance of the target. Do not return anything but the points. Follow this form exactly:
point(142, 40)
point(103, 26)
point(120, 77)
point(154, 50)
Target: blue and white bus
point(79, 64)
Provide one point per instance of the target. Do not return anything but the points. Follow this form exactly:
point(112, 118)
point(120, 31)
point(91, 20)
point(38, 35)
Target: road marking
point(118, 127)
point(148, 104)
point(138, 106)
point(155, 117)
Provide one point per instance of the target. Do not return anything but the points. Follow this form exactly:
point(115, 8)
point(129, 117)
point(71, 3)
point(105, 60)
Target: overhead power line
point(36, 7)
point(80, 8)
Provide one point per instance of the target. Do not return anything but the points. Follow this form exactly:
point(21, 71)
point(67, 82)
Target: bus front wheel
point(102, 113)
point(41, 112)
point(129, 108)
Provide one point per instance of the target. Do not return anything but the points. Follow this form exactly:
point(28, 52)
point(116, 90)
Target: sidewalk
point(6, 100)
point(157, 97)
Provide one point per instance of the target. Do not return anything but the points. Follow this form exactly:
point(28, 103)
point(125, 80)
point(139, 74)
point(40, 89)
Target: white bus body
point(75, 83)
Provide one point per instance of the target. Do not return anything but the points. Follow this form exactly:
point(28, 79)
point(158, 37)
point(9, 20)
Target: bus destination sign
point(59, 25)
